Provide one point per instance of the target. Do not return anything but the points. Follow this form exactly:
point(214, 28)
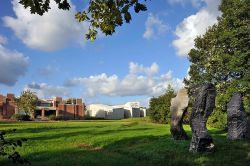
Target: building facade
point(128, 110)
point(7, 106)
point(68, 109)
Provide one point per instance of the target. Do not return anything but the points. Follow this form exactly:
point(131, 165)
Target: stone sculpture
point(178, 108)
point(203, 106)
point(236, 118)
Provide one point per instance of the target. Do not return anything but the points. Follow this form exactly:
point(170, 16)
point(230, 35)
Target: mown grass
point(131, 142)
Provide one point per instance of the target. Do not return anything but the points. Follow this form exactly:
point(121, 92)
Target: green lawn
point(118, 143)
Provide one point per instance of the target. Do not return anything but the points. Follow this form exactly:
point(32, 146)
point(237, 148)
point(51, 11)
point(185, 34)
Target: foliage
point(42, 6)
point(8, 148)
point(218, 119)
point(221, 56)
point(59, 117)
point(104, 15)
point(186, 118)
point(133, 142)
point(27, 102)
point(159, 107)
point(52, 117)
point(20, 117)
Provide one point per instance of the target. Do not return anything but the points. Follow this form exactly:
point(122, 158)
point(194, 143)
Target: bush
point(59, 117)
point(52, 117)
point(218, 119)
point(20, 117)
point(159, 107)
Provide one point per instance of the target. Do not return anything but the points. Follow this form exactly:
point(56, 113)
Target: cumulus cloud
point(44, 90)
point(3, 40)
point(135, 68)
point(133, 84)
point(13, 65)
point(154, 27)
point(195, 25)
point(52, 31)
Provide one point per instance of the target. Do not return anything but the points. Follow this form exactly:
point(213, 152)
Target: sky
point(49, 54)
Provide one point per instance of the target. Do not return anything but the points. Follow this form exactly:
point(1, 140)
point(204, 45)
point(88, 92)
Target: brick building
point(69, 109)
point(7, 106)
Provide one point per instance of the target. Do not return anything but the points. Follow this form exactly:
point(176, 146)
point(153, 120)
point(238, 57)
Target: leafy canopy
point(27, 102)
point(221, 55)
point(159, 107)
point(103, 15)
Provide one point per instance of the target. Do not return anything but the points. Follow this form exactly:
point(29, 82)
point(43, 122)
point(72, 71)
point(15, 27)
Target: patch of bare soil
point(90, 147)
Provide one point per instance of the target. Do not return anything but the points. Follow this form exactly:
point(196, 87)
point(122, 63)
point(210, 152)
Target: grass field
point(129, 142)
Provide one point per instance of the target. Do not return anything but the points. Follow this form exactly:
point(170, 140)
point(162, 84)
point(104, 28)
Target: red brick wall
point(10, 96)
point(1, 98)
point(71, 111)
point(7, 110)
point(7, 107)
point(81, 111)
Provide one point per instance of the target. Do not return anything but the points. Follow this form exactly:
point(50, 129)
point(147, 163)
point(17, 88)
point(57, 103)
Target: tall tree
point(159, 107)
point(103, 15)
point(27, 102)
point(221, 56)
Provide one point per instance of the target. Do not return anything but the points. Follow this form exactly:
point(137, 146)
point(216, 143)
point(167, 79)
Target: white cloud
point(195, 25)
point(154, 27)
point(133, 84)
point(44, 90)
point(13, 65)
point(52, 31)
point(135, 68)
point(3, 40)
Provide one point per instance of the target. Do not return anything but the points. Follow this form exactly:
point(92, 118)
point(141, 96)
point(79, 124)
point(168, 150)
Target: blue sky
point(50, 56)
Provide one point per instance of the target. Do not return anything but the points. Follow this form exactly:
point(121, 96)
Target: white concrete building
point(128, 110)
point(115, 113)
point(132, 109)
point(98, 110)
point(143, 112)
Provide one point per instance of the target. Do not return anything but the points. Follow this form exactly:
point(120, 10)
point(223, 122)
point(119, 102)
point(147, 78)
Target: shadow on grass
point(143, 151)
point(57, 135)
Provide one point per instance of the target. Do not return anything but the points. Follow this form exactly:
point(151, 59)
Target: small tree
point(27, 102)
point(159, 107)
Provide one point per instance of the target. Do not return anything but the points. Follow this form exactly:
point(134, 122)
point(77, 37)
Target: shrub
point(52, 117)
point(159, 107)
point(218, 119)
point(59, 117)
point(20, 117)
